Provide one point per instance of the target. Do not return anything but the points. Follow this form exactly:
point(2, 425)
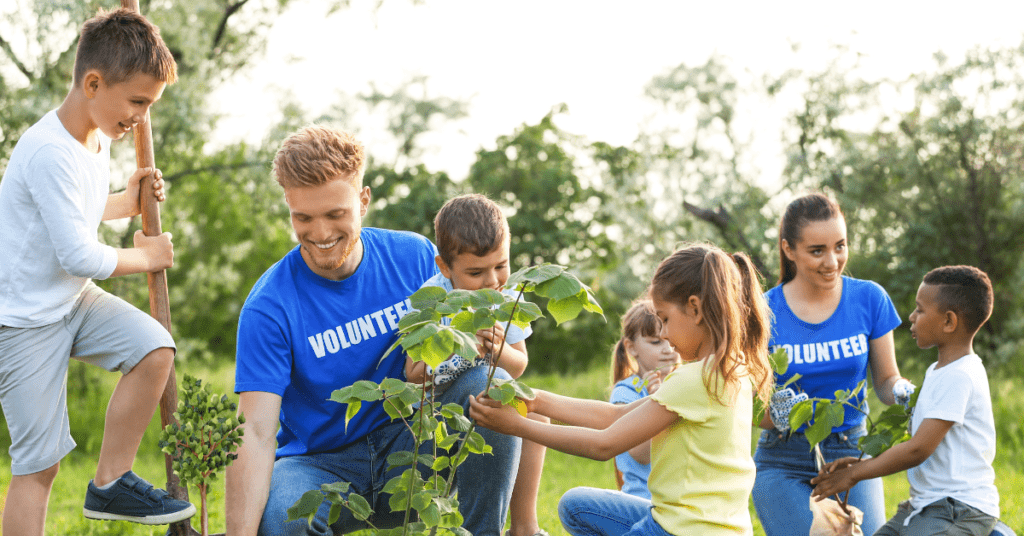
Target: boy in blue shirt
point(54, 193)
point(949, 457)
point(473, 243)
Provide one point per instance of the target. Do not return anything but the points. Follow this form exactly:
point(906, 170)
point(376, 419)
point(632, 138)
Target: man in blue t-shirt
point(318, 320)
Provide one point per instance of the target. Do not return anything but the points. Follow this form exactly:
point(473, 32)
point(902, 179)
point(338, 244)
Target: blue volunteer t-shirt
point(833, 355)
point(302, 337)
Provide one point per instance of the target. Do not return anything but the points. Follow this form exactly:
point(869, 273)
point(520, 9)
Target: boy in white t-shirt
point(54, 194)
point(949, 457)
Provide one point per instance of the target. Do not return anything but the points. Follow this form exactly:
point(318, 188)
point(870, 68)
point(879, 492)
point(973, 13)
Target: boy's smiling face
point(472, 272)
point(117, 108)
point(928, 320)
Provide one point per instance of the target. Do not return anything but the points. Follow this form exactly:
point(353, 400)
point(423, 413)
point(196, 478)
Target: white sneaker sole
point(164, 519)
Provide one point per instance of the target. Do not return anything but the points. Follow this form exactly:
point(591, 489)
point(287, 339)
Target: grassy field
point(561, 472)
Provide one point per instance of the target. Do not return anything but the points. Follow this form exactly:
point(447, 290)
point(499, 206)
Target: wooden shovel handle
point(159, 303)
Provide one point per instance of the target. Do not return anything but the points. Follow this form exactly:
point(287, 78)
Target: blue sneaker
point(133, 499)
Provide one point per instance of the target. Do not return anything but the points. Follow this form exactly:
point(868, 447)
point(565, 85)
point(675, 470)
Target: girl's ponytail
point(755, 346)
point(622, 366)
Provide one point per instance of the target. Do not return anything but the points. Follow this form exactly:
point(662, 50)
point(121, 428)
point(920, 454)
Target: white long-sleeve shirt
point(52, 199)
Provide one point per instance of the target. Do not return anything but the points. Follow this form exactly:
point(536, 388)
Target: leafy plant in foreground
point(441, 324)
point(204, 439)
point(821, 415)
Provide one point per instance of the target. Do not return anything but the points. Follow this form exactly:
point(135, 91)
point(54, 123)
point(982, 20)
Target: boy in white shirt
point(949, 457)
point(54, 193)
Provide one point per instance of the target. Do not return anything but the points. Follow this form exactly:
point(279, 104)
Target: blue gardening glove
point(901, 391)
point(782, 403)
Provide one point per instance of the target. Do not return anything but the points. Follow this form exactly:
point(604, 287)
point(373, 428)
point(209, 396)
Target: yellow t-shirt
point(701, 468)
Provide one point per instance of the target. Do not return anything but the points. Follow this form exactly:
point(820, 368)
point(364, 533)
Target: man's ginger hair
point(316, 155)
point(121, 43)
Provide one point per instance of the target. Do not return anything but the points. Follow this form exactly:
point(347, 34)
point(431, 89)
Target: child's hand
point(490, 340)
point(134, 183)
point(653, 379)
point(834, 478)
point(491, 414)
point(158, 250)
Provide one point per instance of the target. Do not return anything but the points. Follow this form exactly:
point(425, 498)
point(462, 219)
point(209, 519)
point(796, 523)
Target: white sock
point(107, 486)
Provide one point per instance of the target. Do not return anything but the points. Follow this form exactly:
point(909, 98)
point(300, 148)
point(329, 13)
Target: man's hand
point(835, 477)
point(157, 250)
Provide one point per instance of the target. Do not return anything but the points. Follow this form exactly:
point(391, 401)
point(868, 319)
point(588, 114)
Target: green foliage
point(205, 438)
point(440, 324)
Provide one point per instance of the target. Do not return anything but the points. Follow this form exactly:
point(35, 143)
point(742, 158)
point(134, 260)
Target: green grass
point(561, 471)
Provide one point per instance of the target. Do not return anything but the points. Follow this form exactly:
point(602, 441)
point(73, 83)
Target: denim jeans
point(604, 512)
point(782, 489)
point(484, 482)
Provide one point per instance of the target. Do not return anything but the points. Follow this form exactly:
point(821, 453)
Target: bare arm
point(844, 473)
point(636, 427)
point(247, 480)
point(125, 204)
point(884, 371)
point(150, 254)
point(415, 371)
point(578, 411)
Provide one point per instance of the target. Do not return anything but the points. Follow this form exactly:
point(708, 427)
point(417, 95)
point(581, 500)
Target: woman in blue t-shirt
point(834, 329)
point(640, 362)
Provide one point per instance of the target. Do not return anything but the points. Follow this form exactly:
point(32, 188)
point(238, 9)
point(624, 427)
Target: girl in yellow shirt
point(699, 422)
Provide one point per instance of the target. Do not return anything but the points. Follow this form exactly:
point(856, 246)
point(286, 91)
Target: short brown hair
point(965, 290)
point(470, 222)
point(121, 43)
point(316, 155)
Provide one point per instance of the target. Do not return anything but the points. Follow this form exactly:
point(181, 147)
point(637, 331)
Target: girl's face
point(682, 326)
point(820, 254)
point(652, 353)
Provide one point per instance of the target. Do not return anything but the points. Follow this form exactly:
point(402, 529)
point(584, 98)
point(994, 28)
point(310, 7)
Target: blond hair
point(121, 43)
point(734, 310)
point(316, 155)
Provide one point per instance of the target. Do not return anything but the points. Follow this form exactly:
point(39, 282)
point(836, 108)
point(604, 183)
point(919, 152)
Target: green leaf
point(463, 322)
point(779, 360)
point(430, 515)
point(817, 432)
point(475, 443)
point(465, 344)
point(801, 413)
point(486, 298)
point(560, 287)
point(392, 386)
point(438, 348)
point(421, 500)
point(565, 309)
point(419, 335)
point(483, 319)
point(427, 297)
point(791, 380)
point(351, 411)
point(306, 506)
point(359, 506)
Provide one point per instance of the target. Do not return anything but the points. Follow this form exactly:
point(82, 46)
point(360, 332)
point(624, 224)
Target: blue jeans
point(484, 482)
point(782, 488)
point(604, 512)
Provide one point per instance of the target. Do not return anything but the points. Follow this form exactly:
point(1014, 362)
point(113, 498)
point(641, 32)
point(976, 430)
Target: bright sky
point(514, 61)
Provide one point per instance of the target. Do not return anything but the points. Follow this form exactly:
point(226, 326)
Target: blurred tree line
point(927, 169)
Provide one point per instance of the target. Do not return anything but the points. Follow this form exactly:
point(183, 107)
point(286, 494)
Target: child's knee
point(42, 478)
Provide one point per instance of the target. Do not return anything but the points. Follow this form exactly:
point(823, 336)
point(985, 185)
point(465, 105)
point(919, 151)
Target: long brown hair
point(734, 308)
point(800, 212)
point(639, 321)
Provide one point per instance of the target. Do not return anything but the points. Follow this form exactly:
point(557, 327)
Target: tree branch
point(722, 220)
point(17, 63)
point(220, 167)
point(223, 26)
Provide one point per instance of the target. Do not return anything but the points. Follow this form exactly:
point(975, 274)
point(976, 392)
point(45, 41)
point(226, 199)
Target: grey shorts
point(102, 330)
point(945, 516)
